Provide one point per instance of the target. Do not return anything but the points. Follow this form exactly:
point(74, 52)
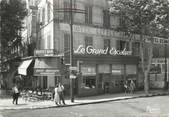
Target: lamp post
point(165, 60)
point(71, 53)
point(71, 10)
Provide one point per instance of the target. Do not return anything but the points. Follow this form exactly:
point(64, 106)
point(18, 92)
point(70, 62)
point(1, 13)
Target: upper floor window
point(106, 19)
point(48, 11)
point(48, 41)
point(88, 41)
point(88, 15)
point(66, 13)
point(43, 16)
point(106, 43)
point(66, 43)
point(136, 48)
point(121, 45)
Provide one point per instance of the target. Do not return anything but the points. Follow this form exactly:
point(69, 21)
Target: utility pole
point(71, 53)
point(71, 10)
point(165, 60)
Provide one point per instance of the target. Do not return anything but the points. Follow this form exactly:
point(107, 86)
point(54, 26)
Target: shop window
point(89, 81)
point(88, 15)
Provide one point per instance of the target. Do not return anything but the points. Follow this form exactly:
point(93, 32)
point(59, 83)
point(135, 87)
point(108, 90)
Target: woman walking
point(56, 96)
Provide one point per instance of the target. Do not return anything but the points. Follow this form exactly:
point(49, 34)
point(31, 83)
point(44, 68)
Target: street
point(140, 107)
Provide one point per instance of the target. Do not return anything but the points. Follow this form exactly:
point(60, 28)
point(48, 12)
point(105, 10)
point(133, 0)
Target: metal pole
point(71, 53)
point(165, 57)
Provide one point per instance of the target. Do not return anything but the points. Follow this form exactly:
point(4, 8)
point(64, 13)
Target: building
point(103, 58)
point(98, 50)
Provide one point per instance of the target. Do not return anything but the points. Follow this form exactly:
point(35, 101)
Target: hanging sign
point(93, 51)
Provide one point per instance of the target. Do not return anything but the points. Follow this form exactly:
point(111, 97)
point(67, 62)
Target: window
point(89, 81)
point(88, 41)
point(43, 16)
point(48, 10)
point(121, 45)
point(66, 14)
point(106, 19)
point(88, 15)
point(136, 48)
point(106, 43)
point(48, 42)
point(66, 43)
point(45, 82)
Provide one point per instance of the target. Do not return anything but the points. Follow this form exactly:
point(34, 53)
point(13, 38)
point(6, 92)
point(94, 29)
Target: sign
point(45, 52)
point(46, 72)
point(93, 51)
point(116, 71)
point(72, 76)
point(73, 68)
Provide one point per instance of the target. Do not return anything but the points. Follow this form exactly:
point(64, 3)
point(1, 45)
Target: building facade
point(103, 58)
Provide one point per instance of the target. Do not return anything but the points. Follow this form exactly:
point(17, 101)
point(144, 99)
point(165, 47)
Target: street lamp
point(165, 60)
point(71, 10)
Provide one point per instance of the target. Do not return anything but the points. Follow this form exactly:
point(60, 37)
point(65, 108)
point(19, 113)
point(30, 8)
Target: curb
point(86, 103)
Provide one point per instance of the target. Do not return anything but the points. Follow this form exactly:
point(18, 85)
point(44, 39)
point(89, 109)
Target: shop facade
point(104, 74)
point(157, 73)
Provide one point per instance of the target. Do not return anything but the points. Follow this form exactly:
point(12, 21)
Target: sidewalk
point(22, 104)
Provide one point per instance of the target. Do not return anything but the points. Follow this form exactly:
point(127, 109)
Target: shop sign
point(44, 52)
point(116, 71)
point(43, 72)
point(93, 51)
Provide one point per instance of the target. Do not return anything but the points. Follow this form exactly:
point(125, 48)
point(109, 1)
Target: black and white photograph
point(84, 58)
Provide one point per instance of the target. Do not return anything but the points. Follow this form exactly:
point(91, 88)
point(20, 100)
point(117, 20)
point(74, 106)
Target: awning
point(47, 66)
point(22, 69)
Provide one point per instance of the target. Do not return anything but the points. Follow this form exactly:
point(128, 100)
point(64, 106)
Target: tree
point(12, 13)
point(144, 18)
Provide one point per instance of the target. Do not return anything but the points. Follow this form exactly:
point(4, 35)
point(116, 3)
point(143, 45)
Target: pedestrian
point(15, 96)
point(56, 95)
point(132, 86)
point(61, 93)
point(126, 87)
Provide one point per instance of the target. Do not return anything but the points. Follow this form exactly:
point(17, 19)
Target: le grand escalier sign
point(90, 50)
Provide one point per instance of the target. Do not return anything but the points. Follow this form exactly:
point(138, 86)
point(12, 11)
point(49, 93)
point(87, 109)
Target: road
point(140, 107)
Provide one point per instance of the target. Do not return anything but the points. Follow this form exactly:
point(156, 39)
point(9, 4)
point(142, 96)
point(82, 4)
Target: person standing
point(126, 86)
point(61, 93)
point(56, 96)
point(132, 86)
point(15, 91)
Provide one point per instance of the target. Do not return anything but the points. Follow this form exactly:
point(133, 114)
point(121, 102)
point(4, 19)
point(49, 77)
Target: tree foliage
point(12, 15)
point(147, 18)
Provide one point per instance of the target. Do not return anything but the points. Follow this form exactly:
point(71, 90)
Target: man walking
point(15, 94)
point(61, 93)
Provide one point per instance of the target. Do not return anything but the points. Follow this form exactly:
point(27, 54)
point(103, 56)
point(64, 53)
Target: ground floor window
point(89, 82)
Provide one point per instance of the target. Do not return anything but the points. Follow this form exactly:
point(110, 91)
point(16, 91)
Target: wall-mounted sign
point(46, 72)
point(93, 51)
point(45, 52)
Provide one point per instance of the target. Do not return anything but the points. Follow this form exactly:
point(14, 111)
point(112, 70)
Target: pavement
point(6, 103)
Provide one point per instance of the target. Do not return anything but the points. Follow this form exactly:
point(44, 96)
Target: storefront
point(157, 72)
point(104, 74)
